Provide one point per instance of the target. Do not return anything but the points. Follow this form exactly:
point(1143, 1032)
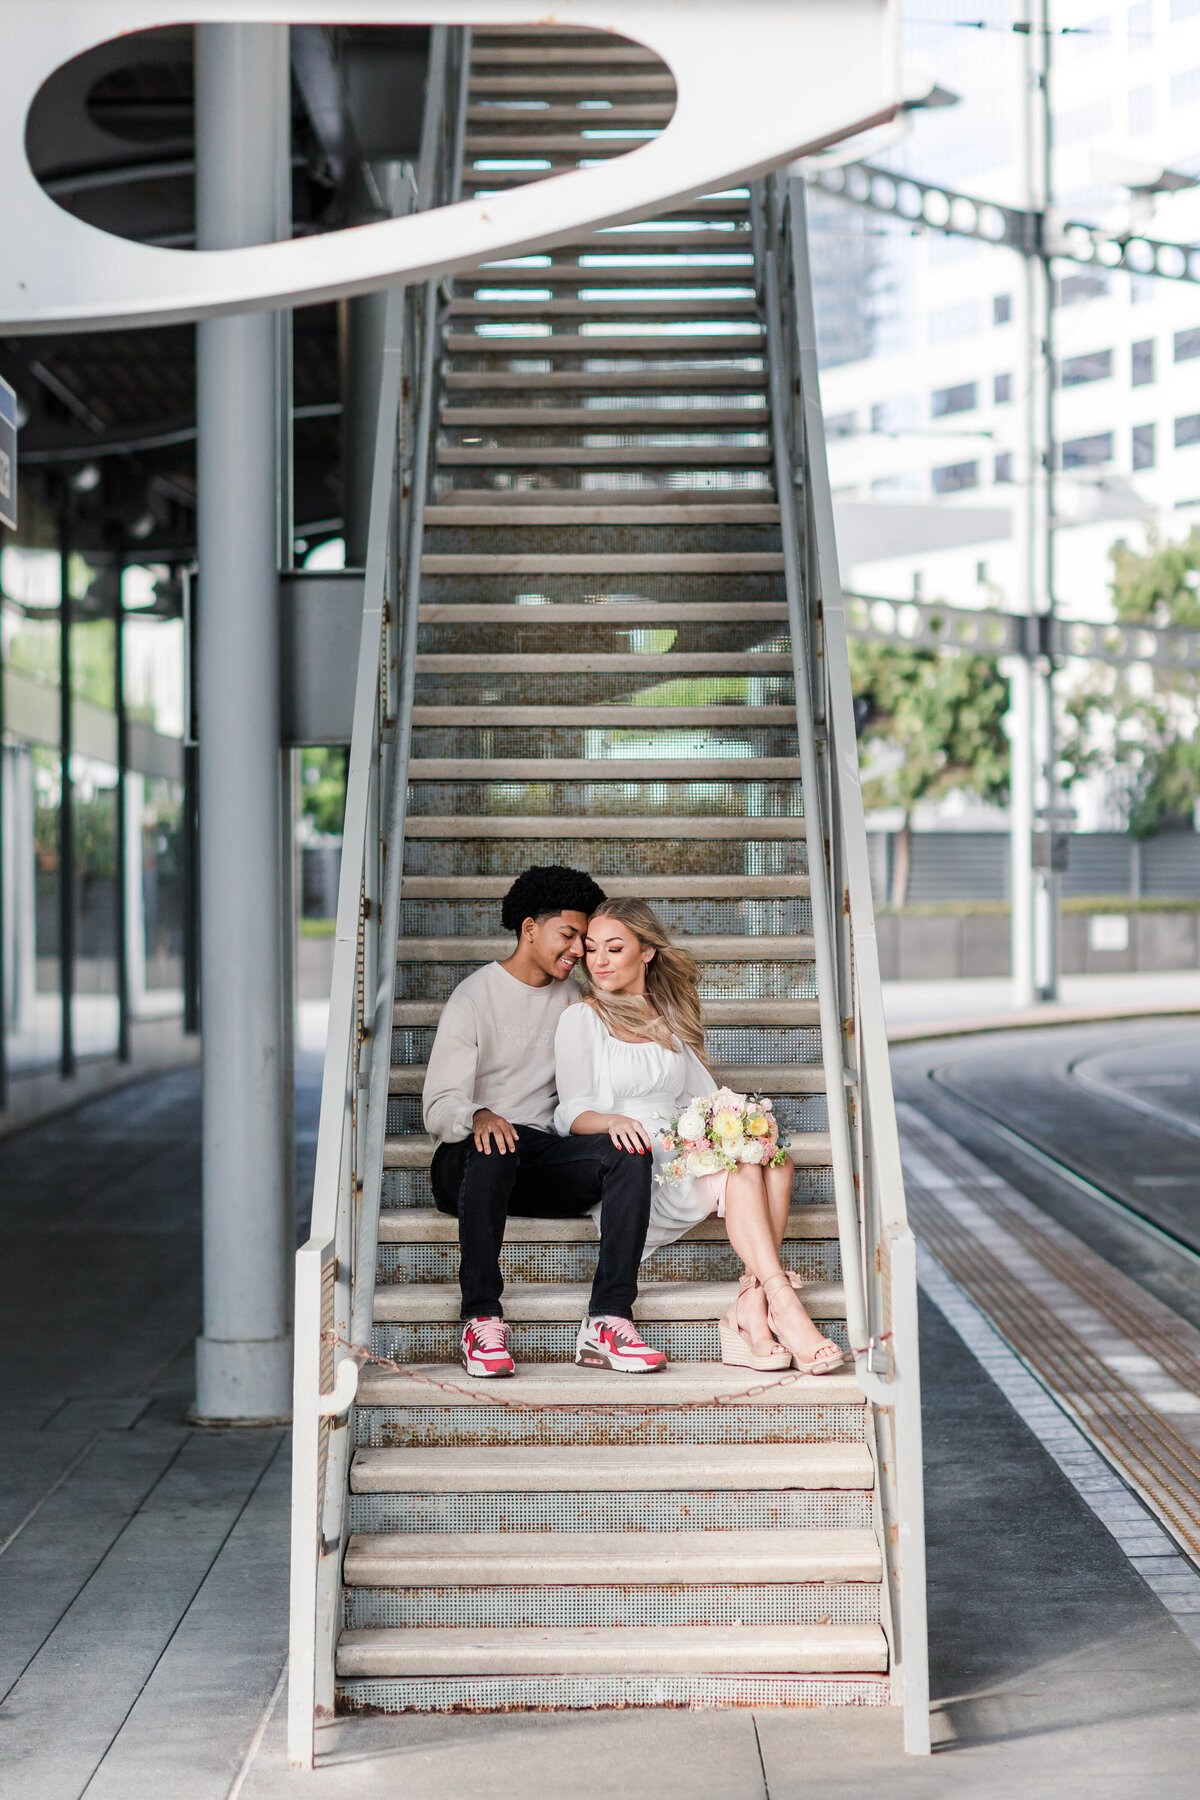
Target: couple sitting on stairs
point(542, 1100)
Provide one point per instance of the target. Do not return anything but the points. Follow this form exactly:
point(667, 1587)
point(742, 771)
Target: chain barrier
point(393, 1367)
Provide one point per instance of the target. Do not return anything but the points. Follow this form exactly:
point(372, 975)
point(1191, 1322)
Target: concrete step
point(614, 718)
point(572, 768)
point(588, 1651)
point(604, 381)
point(560, 456)
point(588, 1468)
point(633, 112)
point(705, 949)
point(580, 511)
point(620, 267)
point(414, 1150)
point(648, 1558)
point(560, 1386)
point(537, 56)
point(585, 86)
point(615, 612)
point(554, 143)
point(425, 1225)
point(647, 887)
point(565, 1302)
point(745, 342)
point(652, 666)
point(608, 418)
point(765, 1078)
point(460, 826)
point(513, 306)
point(415, 1013)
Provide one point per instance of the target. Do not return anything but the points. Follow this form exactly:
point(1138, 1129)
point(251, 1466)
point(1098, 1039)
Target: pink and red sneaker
point(611, 1343)
point(484, 1348)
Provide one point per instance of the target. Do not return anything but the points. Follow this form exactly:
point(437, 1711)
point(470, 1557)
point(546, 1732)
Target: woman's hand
point(629, 1134)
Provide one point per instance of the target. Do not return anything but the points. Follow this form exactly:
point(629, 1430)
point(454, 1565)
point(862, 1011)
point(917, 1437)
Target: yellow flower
point(727, 1124)
point(758, 1126)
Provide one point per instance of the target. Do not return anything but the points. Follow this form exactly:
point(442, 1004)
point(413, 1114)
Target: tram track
point(1122, 1362)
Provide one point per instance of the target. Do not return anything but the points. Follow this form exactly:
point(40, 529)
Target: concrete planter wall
point(960, 945)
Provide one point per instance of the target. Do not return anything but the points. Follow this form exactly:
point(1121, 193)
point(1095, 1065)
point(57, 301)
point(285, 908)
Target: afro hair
point(541, 892)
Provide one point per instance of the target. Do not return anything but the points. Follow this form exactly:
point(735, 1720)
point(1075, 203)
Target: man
point(489, 1101)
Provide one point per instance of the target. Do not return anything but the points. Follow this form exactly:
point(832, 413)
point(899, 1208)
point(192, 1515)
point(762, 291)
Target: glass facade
point(93, 812)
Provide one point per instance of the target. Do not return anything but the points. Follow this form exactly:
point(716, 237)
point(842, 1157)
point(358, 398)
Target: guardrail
point(335, 1269)
point(877, 1245)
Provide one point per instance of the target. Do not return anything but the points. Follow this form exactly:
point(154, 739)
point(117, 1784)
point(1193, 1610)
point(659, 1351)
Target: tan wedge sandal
point(825, 1359)
point(737, 1349)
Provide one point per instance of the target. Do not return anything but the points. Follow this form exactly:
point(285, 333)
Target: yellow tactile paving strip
point(1125, 1366)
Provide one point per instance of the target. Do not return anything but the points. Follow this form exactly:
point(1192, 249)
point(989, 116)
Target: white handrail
point(878, 1250)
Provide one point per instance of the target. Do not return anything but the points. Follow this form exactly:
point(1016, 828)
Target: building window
point(1142, 290)
point(1183, 9)
point(1081, 453)
point(1081, 122)
point(898, 414)
point(981, 574)
point(1185, 88)
point(1141, 363)
point(1187, 344)
point(840, 425)
point(1003, 470)
point(1002, 389)
point(1141, 110)
point(1143, 447)
point(953, 477)
point(1073, 371)
point(1140, 23)
point(1002, 309)
point(1072, 290)
point(958, 399)
point(1187, 431)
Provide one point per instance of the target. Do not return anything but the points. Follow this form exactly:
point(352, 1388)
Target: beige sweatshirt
point(494, 1047)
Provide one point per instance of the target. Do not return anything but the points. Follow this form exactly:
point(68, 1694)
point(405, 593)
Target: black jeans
point(548, 1177)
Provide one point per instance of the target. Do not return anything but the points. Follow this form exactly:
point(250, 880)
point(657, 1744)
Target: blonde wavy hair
point(671, 1005)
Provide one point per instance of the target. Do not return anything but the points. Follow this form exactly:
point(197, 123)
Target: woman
point(629, 1057)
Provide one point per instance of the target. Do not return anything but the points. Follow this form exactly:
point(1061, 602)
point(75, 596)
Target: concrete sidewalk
point(924, 1009)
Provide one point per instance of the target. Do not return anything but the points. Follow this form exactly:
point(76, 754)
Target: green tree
point(323, 788)
point(1140, 717)
point(936, 725)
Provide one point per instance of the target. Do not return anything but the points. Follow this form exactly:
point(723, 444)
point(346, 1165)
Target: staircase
point(604, 678)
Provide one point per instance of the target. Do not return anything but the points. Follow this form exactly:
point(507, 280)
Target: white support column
point(243, 1358)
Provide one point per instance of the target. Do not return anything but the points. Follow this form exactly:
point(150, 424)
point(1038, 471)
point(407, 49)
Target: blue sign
point(8, 456)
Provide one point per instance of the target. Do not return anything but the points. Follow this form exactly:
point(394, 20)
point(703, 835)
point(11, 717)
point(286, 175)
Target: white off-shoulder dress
point(596, 1072)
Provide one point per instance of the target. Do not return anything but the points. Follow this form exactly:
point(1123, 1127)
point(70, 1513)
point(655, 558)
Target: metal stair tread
point(604, 381)
point(425, 1225)
point(593, 1558)
point(565, 1302)
point(716, 1012)
point(649, 887)
point(544, 418)
point(639, 1468)
point(565, 825)
point(793, 1649)
point(414, 1150)
point(561, 1384)
point(615, 718)
point(651, 665)
point(597, 456)
point(787, 947)
point(581, 512)
point(569, 343)
point(633, 562)
point(580, 768)
point(766, 1078)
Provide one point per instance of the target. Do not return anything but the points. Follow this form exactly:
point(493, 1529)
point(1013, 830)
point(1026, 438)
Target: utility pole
point(1034, 818)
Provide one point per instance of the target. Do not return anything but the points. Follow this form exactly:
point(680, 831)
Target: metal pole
point(1046, 818)
point(66, 811)
point(5, 848)
point(243, 1358)
point(121, 833)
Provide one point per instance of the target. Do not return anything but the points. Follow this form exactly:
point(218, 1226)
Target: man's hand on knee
point(489, 1128)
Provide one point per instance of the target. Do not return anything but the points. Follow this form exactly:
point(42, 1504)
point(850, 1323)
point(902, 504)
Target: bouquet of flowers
point(719, 1131)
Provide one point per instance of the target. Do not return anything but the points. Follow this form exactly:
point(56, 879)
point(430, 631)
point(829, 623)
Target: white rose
point(752, 1152)
point(704, 1163)
point(691, 1124)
